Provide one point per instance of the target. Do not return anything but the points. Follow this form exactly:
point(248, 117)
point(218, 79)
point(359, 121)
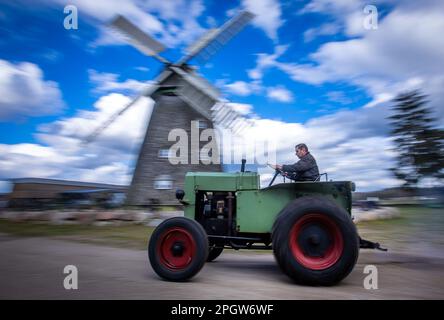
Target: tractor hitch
point(366, 244)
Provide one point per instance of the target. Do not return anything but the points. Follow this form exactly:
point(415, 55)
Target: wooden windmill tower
point(182, 99)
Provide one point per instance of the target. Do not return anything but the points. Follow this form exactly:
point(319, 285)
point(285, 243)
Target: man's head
point(301, 150)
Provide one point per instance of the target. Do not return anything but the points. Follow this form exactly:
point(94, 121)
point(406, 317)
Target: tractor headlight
point(353, 186)
point(180, 194)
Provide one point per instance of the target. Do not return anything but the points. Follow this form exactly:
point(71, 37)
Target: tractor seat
point(318, 178)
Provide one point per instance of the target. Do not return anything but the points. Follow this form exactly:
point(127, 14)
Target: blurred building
point(44, 193)
point(3, 200)
point(433, 196)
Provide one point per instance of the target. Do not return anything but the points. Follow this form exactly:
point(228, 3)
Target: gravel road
point(32, 268)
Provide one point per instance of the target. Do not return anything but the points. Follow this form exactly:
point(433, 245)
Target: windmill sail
point(212, 41)
point(139, 39)
point(197, 92)
point(191, 88)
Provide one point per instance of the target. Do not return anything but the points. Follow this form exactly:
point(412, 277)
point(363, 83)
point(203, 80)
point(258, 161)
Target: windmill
point(181, 96)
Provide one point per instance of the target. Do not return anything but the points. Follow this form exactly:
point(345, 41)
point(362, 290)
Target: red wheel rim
point(176, 248)
point(316, 241)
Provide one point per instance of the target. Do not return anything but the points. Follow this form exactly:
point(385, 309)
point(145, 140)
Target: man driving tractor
point(305, 169)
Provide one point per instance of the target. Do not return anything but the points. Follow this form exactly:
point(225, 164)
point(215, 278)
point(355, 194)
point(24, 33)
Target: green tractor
point(308, 225)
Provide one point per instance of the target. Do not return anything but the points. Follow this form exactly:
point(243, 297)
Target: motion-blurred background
point(361, 85)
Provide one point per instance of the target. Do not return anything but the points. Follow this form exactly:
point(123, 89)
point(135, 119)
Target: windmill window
point(164, 153)
point(204, 158)
point(203, 124)
point(163, 182)
point(205, 154)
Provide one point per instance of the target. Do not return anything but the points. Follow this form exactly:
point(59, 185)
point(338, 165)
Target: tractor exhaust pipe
point(230, 213)
point(243, 165)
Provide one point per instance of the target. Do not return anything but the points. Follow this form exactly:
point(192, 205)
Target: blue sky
point(308, 70)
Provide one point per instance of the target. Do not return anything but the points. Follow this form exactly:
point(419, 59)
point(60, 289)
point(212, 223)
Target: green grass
point(130, 235)
point(417, 228)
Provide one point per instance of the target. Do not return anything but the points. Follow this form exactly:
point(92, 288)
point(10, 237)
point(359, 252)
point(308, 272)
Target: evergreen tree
point(420, 146)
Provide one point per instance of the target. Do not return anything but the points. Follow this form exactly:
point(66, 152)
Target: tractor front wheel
point(315, 241)
point(178, 249)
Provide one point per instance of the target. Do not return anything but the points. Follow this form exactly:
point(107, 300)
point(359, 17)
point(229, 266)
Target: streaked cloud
point(104, 82)
point(280, 94)
point(59, 145)
point(25, 93)
point(268, 15)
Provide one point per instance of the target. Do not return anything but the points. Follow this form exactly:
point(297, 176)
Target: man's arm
point(300, 166)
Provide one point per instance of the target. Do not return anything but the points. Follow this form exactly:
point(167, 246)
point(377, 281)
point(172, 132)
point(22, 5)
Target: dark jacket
point(305, 169)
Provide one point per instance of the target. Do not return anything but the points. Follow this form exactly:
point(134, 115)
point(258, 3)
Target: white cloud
point(105, 10)
point(115, 173)
point(347, 15)
point(403, 46)
point(326, 29)
point(268, 15)
point(172, 22)
point(242, 108)
point(339, 97)
point(60, 154)
point(403, 53)
point(330, 6)
point(122, 134)
point(142, 69)
point(23, 160)
point(25, 93)
point(280, 94)
point(240, 88)
point(108, 82)
point(211, 22)
point(265, 61)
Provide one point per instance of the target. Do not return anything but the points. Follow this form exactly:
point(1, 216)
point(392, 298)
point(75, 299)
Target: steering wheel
point(276, 173)
point(289, 175)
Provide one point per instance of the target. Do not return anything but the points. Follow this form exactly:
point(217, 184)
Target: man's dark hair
point(301, 146)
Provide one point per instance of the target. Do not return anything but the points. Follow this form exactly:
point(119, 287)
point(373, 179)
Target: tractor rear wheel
point(315, 241)
point(178, 249)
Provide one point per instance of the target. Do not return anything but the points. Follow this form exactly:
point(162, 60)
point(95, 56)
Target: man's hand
point(275, 166)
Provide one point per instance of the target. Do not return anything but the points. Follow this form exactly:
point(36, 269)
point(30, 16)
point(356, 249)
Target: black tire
point(315, 241)
point(214, 252)
point(178, 249)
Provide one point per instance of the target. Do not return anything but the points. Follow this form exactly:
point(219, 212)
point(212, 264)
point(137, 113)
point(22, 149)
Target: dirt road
point(32, 268)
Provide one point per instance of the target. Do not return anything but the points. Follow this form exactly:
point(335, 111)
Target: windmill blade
point(139, 39)
point(219, 112)
point(224, 116)
point(240, 125)
point(212, 41)
point(146, 93)
point(196, 91)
